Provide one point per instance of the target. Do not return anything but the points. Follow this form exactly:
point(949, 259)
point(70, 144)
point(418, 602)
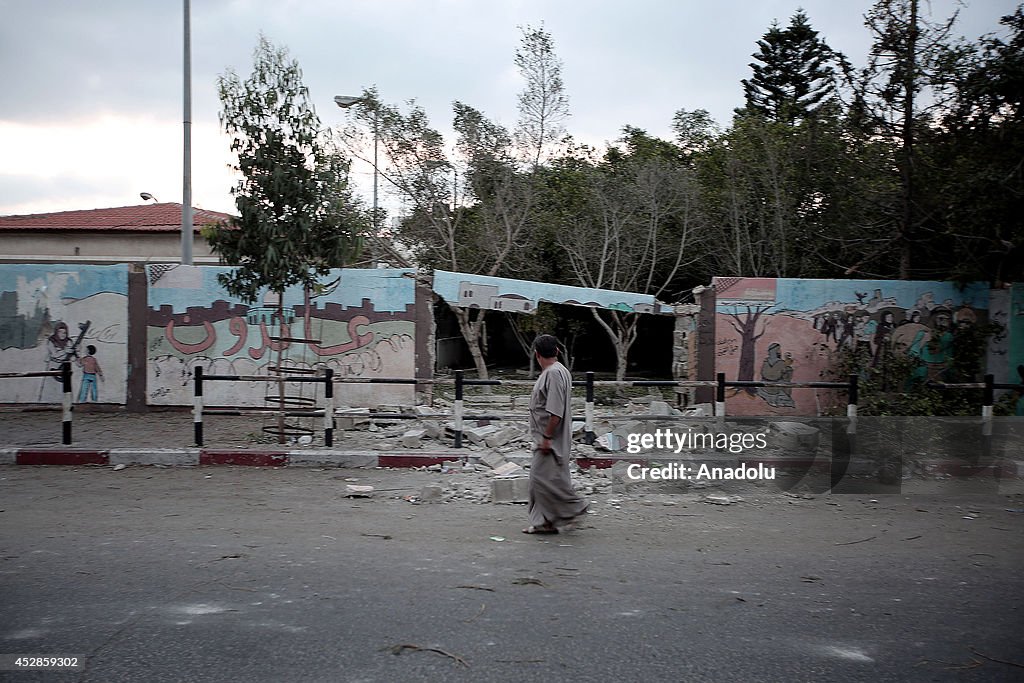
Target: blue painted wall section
point(53, 312)
point(522, 296)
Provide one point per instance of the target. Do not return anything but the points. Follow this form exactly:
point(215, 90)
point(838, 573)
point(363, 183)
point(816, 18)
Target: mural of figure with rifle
point(59, 349)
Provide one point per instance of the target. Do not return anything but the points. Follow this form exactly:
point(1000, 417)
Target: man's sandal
point(540, 530)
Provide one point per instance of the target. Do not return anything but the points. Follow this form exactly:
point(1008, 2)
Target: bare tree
point(640, 231)
point(905, 86)
point(480, 231)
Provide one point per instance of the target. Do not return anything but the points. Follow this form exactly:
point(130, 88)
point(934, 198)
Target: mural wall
point(51, 313)
point(791, 330)
point(361, 325)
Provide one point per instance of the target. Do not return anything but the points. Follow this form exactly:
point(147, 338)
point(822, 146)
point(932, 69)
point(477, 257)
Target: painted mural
point(361, 324)
point(787, 330)
point(522, 296)
point(54, 313)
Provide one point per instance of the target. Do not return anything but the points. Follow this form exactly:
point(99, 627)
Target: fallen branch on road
point(399, 649)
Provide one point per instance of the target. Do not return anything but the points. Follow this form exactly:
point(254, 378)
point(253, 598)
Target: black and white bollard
point(328, 407)
point(458, 408)
point(197, 406)
point(65, 380)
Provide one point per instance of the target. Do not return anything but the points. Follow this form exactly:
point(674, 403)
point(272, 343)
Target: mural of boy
point(90, 371)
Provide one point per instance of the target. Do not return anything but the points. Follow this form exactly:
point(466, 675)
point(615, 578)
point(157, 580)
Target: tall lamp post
point(186, 181)
point(346, 101)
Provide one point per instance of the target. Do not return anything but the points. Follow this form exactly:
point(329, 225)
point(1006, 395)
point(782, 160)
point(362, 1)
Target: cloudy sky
point(91, 105)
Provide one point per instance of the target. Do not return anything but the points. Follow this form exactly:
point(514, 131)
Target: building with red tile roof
point(147, 233)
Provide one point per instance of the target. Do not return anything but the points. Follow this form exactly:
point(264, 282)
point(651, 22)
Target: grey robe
point(552, 498)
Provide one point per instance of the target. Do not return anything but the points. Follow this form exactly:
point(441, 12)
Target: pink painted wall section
point(791, 331)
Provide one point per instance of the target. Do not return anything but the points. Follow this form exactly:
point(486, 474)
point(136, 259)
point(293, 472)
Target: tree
point(543, 104)
point(695, 130)
point(297, 219)
point(638, 231)
point(906, 83)
point(483, 230)
point(975, 163)
point(794, 77)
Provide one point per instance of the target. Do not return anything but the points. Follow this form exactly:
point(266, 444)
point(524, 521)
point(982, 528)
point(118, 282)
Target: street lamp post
point(346, 101)
point(186, 183)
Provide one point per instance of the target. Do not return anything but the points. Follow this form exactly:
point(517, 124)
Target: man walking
point(553, 502)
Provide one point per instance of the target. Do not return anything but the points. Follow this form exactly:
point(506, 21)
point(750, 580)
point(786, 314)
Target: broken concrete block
point(660, 408)
point(478, 434)
point(358, 491)
point(700, 410)
point(609, 442)
point(413, 438)
point(510, 490)
point(508, 469)
point(794, 436)
point(502, 436)
point(433, 429)
point(492, 460)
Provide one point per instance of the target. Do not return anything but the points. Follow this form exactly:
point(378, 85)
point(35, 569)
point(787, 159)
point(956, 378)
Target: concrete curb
point(211, 457)
point(208, 457)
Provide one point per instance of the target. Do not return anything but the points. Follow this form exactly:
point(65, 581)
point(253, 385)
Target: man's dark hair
point(546, 345)
point(90, 349)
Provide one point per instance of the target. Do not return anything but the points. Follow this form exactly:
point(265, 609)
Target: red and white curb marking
point(66, 456)
point(222, 456)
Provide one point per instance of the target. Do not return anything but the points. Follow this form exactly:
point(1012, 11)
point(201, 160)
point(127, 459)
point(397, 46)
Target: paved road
point(259, 574)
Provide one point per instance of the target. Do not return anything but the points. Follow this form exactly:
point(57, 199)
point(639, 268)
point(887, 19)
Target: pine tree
point(794, 77)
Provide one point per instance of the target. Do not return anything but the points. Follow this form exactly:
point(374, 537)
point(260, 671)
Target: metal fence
point(66, 406)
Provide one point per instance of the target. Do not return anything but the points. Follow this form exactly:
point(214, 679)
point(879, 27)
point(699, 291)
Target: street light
point(187, 227)
point(346, 101)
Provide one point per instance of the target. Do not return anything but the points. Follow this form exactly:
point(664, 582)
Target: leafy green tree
point(297, 218)
point(974, 169)
point(543, 103)
point(793, 75)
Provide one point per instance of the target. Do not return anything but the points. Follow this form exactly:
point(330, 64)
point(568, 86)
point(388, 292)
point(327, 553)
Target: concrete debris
point(508, 469)
point(699, 410)
point(118, 468)
point(492, 460)
point(433, 429)
point(413, 438)
point(660, 408)
point(476, 435)
point(358, 491)
point(502, 436)
point(722, 500)
point(510, 490)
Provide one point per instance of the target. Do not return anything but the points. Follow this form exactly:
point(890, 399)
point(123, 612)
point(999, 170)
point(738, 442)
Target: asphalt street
point(263, 574)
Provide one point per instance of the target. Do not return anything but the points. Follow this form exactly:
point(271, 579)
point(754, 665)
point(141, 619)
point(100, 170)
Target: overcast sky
point(91, 105)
